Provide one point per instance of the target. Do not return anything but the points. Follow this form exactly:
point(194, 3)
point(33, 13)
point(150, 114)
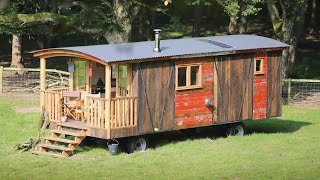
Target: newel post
point(108, 99)
point(42, 81)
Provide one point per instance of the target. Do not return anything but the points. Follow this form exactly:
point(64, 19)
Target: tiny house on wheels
point(131, 90)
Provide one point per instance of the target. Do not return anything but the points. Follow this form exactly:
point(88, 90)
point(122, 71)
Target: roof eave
point(50, 53)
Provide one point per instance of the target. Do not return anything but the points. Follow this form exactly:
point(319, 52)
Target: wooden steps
point(47, 153)
point(57, 145)
point(77, 134)
point(67, 141)
point(73, 126)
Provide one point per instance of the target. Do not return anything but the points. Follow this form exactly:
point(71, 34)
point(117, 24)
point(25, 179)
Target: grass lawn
point(279, 148)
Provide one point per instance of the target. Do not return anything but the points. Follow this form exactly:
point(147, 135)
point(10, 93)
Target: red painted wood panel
point(191, 110)
point(260, 91)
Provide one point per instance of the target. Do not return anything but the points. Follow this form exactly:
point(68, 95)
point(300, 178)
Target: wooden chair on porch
point(81, 110)
point(71, 103)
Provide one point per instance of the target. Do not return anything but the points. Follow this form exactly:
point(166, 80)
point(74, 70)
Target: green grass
point(278, 148)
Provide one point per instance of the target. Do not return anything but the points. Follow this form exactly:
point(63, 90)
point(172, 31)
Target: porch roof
point(202, 46)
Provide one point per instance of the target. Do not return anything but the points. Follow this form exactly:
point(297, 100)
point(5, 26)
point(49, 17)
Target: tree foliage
point(39, 17)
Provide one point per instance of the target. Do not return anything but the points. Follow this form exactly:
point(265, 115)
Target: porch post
point(129, 79)
point(42, 80)
point(71, 79)
point(88, 77)
point(108, 99)
point(117, 81)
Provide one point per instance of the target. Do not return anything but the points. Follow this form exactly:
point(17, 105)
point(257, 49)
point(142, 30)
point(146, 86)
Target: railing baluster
point(98, 113)
point(131, 113)
point(112, 114)
point(118, 113)
point(92, 112)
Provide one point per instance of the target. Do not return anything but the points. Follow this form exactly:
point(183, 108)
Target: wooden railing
point(53, 104)
point(123, 91)
point(123, 112)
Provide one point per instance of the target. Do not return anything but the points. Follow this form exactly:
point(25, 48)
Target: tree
point(40, 19)
point(313, 18)
point(3, 5)
point(288, 27)
point(17, 24)
point(238, 10)
point(197, 14)
point(133, 27)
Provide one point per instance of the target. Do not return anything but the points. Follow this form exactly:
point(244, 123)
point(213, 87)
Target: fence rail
point(28, 79)
point(301, 92)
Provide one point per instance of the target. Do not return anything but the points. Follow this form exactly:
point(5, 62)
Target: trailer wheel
point(137, 144)
point(235, 130)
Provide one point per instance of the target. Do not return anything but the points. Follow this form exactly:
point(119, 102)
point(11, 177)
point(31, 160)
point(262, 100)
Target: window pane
point(80, 75)
point(258, 65)
point(194, 75)
point(182, 76)
point(123, 76)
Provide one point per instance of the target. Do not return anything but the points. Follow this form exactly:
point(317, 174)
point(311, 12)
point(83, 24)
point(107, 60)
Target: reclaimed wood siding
point(233, 88)
point(274, 80)
point(156, 96)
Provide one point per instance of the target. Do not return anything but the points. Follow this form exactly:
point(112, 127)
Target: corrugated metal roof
point(177, 47)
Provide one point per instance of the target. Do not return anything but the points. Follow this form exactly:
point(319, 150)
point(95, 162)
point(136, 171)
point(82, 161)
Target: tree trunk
point(292, 27)
point(233, 25)
point(243, 19)
point(313, 18)
point(3, 5)
point(124, 12)
point(142, 28)
point(274, 16)
point(16, 60)
point(196, 29)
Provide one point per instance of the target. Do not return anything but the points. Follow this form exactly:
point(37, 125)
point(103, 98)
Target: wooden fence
point(301, 90)
point(28, 79)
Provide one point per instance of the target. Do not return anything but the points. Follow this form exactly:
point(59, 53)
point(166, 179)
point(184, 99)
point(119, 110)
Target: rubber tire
point(139, 144)
point(237, 129)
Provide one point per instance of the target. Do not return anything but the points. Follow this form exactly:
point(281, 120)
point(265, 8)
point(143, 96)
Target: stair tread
point(47, 153)
point(49, 146)
point(62, 140)
point(71, 125)
point(78, 134)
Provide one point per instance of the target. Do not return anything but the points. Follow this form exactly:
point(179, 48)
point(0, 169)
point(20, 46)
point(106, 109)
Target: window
point(188, 76)
point(80, 75)
point(258, 66)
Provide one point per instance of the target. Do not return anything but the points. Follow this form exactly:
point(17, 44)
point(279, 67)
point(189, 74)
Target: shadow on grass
point(267, 126)
point(274, 125)
point(90, 143)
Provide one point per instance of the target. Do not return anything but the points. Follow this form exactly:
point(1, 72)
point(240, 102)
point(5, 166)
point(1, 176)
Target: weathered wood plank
point(274, 84)
point(153, 92)
point(233, 88)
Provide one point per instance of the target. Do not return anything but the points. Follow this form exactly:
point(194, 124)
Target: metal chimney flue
point(157, 40)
